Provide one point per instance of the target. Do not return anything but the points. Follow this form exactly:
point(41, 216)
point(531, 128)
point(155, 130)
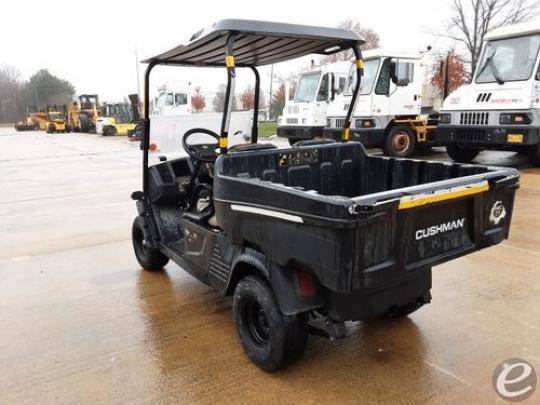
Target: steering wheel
point(204, 152)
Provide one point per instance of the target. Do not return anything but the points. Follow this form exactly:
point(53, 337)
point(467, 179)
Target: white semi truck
point(174, 98)
point(387, 112)
point(500, 109)
point(304, 116)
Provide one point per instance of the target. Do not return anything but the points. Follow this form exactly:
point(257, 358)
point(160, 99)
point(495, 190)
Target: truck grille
point(292, 120)
point(470, 135)
point(293, 109)
point(474, 118)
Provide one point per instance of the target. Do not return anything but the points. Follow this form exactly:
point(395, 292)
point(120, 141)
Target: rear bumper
point(372, 303)
point(299, 132)
point(489, 136)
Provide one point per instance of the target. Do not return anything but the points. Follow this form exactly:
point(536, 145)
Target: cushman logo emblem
point(498, 212)
point(441, 228)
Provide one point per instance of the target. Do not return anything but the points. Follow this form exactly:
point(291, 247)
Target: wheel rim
point(257, 323)
point(401, 141)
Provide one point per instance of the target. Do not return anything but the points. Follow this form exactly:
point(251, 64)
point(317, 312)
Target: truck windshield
point(509, 59)
point(370, 72)
point(307, 88)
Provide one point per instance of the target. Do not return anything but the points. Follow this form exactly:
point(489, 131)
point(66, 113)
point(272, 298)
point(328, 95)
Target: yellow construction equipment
point(82, 116)
point(56, 119)
point(119, 118)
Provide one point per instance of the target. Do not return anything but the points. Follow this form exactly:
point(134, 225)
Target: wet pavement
point(81, 323)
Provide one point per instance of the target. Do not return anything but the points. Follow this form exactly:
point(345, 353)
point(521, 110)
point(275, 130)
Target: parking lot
point(82, 323)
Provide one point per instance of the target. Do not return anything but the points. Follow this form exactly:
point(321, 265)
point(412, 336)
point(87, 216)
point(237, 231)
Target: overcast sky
point(92, 44)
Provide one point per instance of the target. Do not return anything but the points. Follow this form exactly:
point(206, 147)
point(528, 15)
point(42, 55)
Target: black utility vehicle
point(306, 238)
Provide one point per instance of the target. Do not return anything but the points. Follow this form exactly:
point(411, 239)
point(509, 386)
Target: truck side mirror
point(333, 87)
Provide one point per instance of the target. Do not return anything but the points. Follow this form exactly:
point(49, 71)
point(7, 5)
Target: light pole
point(270, 102)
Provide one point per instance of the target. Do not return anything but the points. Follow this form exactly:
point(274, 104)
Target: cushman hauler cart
point(306, 238)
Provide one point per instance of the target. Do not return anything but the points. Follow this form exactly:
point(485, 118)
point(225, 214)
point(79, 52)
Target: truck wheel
point(271, 340)
point(534, 154)
point(400, 142)
point(459, 154)
point(51, 129)
point(149, 259)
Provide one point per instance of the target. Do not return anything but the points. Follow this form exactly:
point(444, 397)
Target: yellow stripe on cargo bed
point(442, 195)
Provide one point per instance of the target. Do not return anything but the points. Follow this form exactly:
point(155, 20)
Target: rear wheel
point(461, 154)
point(51, 129)
point(271, 340)
point(534, 154)
point(399, 142)
point(149, 258)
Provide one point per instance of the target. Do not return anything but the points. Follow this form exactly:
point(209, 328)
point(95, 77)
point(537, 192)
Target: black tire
point(270, 339)
point(51, 129)
point(400, 141)
point(36, 127)
point(84, 123)
point(68, 128)
point(534, 154)
point(109, 131)
point(149, 259)
point(460, 154)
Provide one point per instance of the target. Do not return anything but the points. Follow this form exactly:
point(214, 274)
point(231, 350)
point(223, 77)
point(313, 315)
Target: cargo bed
point(360, 221)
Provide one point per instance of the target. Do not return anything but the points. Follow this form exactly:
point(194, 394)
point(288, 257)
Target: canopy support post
point(145, 144)
point(359, 62)
point(255, 126)
point(229, 94)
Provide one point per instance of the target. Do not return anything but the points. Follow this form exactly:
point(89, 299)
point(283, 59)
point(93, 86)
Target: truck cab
point(387, 111)
point(172, 100)
point(500, 109)
point(305, 115)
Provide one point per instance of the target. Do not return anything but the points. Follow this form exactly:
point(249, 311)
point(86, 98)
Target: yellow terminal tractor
point(56, 119)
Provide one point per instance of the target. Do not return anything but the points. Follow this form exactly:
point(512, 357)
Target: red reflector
point(306, 283)
point(153, 147)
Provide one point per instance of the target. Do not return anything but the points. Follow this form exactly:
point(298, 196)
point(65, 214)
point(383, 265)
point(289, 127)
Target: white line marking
point(449, 374)
point(268, 213)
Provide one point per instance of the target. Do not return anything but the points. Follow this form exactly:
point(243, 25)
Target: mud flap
point(287, 292)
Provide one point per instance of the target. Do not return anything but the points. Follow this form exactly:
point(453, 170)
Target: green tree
point(277, 102)
point(44, 88)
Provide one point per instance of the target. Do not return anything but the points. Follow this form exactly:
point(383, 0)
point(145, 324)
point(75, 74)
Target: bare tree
point(11, 87)
point(371, 37)
point(472, 19)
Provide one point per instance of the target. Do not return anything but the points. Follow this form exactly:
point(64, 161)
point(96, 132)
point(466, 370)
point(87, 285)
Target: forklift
point(119, 118)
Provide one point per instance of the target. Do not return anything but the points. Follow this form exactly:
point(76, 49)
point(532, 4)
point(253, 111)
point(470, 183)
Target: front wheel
point(149, 258)
point(271, 340)
point(460, 154)
point(400, 142)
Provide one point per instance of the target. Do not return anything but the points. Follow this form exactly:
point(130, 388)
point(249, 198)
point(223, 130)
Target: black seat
point(193, 213)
